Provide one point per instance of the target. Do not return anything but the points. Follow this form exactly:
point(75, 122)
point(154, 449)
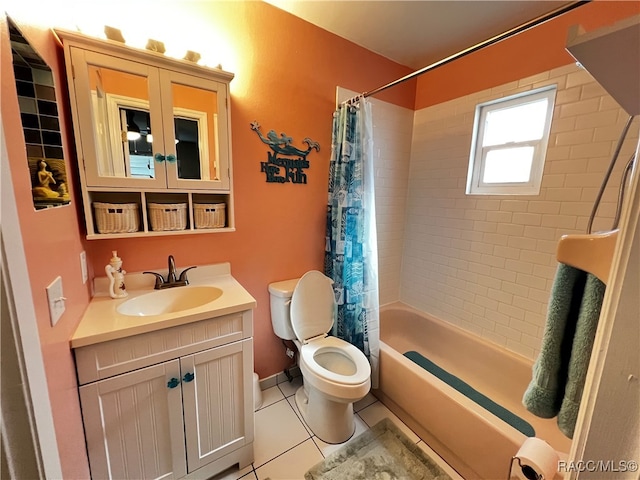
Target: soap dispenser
point(116, 276)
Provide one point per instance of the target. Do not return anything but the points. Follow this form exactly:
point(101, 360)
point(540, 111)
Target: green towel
point(581, 353)
point(560, 370)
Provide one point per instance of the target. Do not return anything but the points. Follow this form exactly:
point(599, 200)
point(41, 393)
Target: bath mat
point(470, 392)
point(381, 453)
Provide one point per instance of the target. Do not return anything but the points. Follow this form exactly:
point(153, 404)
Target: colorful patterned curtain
point(351, 257)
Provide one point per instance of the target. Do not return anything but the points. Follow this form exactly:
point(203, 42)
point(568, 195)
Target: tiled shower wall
point(487, 263)
point(392, 133)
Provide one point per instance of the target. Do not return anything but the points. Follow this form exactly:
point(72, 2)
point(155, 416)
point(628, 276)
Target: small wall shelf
point(143, 198)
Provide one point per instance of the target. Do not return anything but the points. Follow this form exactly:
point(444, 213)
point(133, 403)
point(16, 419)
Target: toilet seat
point(336, 346)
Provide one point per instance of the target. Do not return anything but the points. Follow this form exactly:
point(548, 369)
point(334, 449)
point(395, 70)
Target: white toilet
point(335, 373)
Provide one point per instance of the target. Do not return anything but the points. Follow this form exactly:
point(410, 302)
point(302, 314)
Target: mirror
point(40, 123)
point(121, 122)
point(195, 117)
point(125, 137)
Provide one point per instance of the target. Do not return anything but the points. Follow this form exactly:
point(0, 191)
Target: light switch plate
point(56, 300)
point(83, 266)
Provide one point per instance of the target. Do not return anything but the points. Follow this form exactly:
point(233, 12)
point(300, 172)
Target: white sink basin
point(171, 300)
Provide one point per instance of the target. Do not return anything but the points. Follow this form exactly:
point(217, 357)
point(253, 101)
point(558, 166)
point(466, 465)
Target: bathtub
point(476, 443)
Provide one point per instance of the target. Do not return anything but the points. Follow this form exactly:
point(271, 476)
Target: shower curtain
point(351, 249)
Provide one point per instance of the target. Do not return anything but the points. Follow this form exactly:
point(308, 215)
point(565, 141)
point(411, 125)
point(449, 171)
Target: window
point(509, 144)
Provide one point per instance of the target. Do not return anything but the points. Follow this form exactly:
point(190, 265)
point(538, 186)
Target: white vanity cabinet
point(173, 403)
point(149, 129)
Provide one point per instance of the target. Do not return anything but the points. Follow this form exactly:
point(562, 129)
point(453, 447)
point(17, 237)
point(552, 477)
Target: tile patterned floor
point(285, 448)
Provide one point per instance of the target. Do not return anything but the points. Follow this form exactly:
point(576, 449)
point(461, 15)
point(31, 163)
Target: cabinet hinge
point(73, 71)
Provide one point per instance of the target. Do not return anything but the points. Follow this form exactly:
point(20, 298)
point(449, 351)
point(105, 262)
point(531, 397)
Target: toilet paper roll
point(537, 459)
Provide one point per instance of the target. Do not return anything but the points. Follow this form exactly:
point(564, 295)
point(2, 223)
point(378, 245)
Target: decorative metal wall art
point(286, 163)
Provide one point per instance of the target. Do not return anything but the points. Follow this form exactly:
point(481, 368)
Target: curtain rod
point(490, 41)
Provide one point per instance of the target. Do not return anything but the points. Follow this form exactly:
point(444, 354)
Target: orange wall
point(291, 69)
point(533, 51)
point(52, 243)
point(286, 77)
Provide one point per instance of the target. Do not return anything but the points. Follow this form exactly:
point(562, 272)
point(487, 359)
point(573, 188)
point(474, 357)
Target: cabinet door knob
point(173, 383)
point(188, 377)
point(159, 157)
point(171, 158)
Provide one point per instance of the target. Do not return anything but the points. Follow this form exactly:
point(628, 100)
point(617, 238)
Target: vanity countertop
point(101, 321)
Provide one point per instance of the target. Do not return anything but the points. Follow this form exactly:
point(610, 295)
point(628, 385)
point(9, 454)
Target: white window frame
point(475, 185)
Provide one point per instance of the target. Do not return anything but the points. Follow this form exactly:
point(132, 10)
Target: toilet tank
point(280, 297)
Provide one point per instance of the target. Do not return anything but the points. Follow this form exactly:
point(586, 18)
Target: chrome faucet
point(172, 279)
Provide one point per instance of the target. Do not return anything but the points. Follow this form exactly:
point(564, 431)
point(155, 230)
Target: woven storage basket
point(116, 217)
point(209, 215)
point(168, 216)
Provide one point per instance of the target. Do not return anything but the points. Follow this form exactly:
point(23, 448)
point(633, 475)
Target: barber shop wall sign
point(285, 163)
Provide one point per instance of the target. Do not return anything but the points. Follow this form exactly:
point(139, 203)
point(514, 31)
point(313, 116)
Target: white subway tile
point(552, 181)
point(513, 205)
point(568, 95)
point(532, 341)
point(575, 137)
point(517, 266)
point(540, 296)
point(528, 81)
point(515, 289)
point(599, 119)
point(499, 217)
point(507, 252)
point(531, 281)
point(527, 218)
point(544, 207)
point(580, 108)
point(508, 332)
point(495, 239)
point(489, 262)
point(486, 302)
point(580, 77)
point(559, 221)
point(488, 204)
point(480, 226)
point(520, 348)
point(523, 242)
point(607, 103)
point(593, 89)
point(591, 150)
point(540, 233)
point(479, 319)
point(494, 337)
point(523, 327)
point(503, 274)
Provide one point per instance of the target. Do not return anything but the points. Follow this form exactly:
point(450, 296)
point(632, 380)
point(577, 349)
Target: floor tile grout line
point(267, 406)
point(285, 395)
point(282, 453)
point(303, 426)
point(298, 414)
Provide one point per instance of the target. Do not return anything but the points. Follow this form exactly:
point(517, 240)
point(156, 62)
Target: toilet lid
point(312, 306)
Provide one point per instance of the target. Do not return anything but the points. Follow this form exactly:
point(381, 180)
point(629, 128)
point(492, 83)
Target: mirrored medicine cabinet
point(150, 130)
